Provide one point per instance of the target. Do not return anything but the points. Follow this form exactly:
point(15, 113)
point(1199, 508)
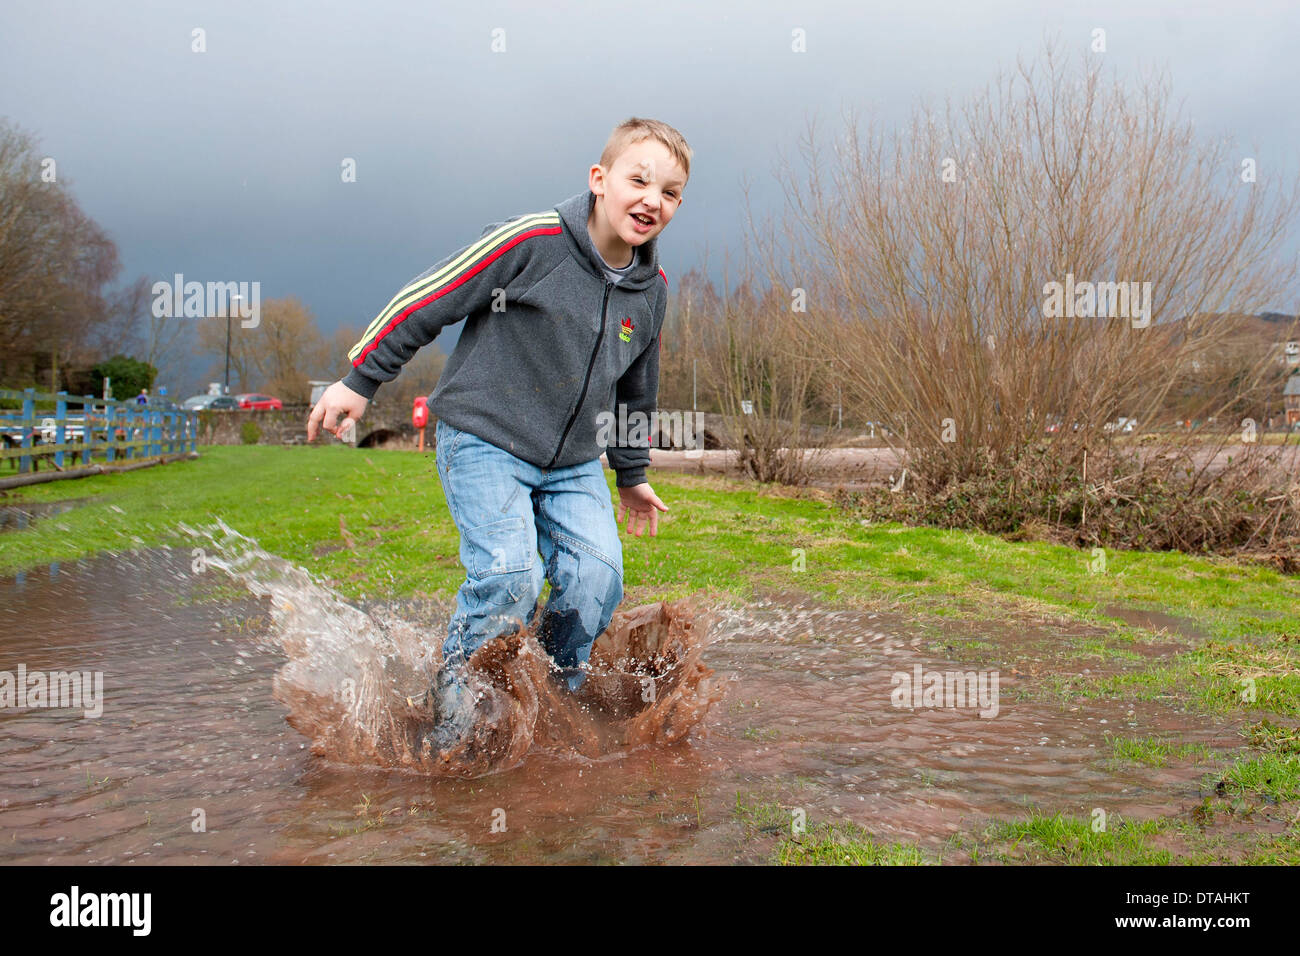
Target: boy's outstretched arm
point(467, 281)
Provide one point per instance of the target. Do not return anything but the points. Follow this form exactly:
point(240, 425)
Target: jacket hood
point(574, 213)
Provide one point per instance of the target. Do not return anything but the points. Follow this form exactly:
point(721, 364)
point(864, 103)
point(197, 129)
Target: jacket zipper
point(582, 396)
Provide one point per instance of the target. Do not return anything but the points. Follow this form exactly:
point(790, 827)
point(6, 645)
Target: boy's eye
point(639, 180)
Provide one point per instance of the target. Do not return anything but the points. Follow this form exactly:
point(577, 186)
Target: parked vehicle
point(213, 403)
point(258, 401)
point(156, 404)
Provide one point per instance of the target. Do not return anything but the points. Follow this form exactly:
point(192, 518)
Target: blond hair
point(636, 129)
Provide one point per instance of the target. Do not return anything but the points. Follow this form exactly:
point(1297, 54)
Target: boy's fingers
point(313, 421)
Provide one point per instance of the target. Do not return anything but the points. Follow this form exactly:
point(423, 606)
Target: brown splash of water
point(350, 676)
point(647, 685)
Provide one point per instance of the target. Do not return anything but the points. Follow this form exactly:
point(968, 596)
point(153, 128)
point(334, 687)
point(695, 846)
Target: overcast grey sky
point(225, 165)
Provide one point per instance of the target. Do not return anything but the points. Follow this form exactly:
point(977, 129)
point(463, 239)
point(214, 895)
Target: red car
point(254, 400)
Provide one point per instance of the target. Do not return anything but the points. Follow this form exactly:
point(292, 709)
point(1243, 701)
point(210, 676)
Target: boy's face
point(641, 191)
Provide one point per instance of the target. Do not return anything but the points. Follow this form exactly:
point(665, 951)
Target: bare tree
point(764, 376)
point(1003, 279)
point(56, 265)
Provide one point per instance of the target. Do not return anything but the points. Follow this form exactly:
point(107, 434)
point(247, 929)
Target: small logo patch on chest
point(625, 330)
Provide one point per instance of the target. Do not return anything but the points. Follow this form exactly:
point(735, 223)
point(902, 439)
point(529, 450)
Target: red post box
point(420, 416)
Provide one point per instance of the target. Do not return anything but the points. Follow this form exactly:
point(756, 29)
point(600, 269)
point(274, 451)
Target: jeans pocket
point(499, 547)
point(447, 438)
point(500, 558)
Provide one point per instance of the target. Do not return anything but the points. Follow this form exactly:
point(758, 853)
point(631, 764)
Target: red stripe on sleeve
point(482, 264)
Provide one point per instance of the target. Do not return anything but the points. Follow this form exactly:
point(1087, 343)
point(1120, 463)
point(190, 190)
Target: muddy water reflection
point(192, 759)
point(19, 516)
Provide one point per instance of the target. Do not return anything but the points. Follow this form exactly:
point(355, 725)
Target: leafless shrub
point(929, 255)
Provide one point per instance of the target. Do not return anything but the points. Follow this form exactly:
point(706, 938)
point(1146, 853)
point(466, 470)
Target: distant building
point(1287, 353)
point(1291, 399)
point(317, 389)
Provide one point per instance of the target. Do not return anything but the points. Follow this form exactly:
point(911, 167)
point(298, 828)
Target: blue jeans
point(507, 511)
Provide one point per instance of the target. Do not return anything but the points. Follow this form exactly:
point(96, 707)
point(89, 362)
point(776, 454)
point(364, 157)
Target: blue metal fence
point(109, 428)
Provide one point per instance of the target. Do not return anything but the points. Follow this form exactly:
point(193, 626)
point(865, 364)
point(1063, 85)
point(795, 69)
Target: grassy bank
point(375, 522)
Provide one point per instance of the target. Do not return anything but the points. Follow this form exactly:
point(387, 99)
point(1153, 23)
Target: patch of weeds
point(370, 820)
point(1157, 682)
point(1270, 776)
point(1262, 676)
point(1280, 850)
point(819, 844)
point(1072, 840)
point(1154, 751)
point(763, 817)
point(845, 844)
point(1269, 736)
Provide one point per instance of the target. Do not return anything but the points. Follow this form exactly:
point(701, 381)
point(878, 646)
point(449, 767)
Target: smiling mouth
point(644, 220)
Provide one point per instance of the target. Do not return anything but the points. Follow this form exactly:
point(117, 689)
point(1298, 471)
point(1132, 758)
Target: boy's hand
point(337, 400)
point(639, 503)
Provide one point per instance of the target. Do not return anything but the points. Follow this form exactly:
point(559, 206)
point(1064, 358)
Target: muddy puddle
point(248, 715)
point(19, 516)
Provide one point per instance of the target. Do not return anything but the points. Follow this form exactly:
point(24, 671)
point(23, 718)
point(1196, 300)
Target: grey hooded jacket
point(550, 343)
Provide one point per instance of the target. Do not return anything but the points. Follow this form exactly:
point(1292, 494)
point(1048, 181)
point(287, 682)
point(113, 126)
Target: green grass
point(1270, 776)
point(375, 522)
point(1037, 839)
point(1256, 673)
point(1075, 841)
point(845, 844)
point(802, 842)
point(1154, 751)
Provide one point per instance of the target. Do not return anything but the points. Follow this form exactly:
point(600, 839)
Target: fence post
point(60, 426)
point(88, 435)
point(110, 429)
point(29, 412)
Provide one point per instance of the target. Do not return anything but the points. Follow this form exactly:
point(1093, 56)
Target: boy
point(565, 309)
